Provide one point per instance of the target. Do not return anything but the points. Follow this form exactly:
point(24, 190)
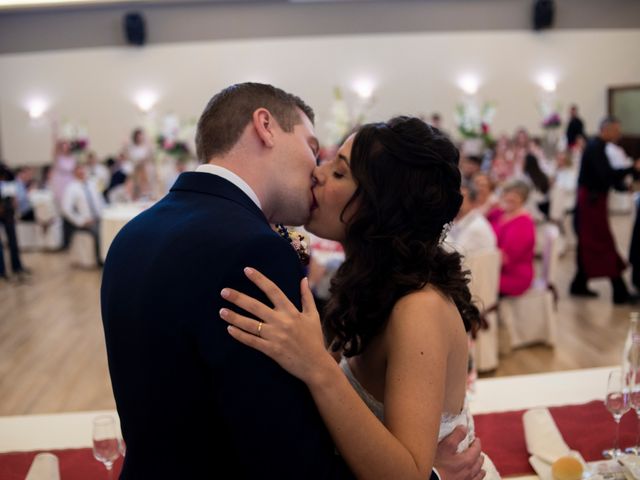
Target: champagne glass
point(106, 443)
point(617, 402)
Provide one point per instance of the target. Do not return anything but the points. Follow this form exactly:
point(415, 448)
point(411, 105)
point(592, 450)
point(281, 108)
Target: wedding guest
point(515, 232)
point(139, 150)
point(575, 126)
point(8, 222)
point(24, 182)
point(97, 173)
point(470, 166)
point(470, 231)
point(486, 199)
point(82, 207)
point(64, 163)
point(118, 169)
point(502, 165)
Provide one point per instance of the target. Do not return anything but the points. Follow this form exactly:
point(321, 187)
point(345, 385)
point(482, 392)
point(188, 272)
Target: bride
point(399, 311)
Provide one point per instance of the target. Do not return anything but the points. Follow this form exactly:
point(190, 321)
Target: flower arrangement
point(297, 240)
point(340, 123)
point(474, 122)
point(76, 135)
point(174, 137)
point(550, 116)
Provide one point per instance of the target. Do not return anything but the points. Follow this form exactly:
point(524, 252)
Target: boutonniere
point(297, 240)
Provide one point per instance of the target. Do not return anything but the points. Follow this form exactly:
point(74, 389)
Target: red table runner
point(75, 464)
point(587, 428)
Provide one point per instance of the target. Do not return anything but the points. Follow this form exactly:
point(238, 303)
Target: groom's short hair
point(228, 113)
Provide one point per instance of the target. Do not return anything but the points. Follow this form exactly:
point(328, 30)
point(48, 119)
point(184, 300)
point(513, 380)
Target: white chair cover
point(531, 317)
point(82, 250)
point(484, 266)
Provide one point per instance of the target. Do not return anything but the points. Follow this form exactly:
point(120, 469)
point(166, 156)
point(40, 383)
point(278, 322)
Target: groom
point(193, 402)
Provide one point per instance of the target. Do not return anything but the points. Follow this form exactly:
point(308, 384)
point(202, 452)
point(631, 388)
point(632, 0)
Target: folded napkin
point(544, 442)
point(44, 467)
point(542, 436)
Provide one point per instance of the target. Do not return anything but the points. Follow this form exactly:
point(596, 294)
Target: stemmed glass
point(618, 403)
point(106, 443)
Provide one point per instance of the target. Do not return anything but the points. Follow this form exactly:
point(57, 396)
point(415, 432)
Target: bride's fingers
point(308, 304)
point(247, 303)
point(249, 325)
point(271, 290)
point(246, 338)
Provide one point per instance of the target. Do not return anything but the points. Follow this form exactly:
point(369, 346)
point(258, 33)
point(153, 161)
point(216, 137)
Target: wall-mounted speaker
point(543, 11)
point(134, 28)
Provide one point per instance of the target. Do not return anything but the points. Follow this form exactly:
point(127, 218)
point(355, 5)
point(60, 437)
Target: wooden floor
point(52, 354)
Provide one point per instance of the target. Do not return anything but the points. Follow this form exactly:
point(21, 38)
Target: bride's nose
point(318, 175)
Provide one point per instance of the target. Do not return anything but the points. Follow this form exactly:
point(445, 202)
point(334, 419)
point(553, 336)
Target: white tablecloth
point(114, 217)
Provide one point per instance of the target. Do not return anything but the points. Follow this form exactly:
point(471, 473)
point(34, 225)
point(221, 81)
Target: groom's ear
point(264, 124)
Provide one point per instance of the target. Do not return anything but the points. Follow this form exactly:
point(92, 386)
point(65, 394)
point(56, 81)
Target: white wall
point(415, 73)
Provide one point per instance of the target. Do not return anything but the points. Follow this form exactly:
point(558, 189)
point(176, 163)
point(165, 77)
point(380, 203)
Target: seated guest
point(119, 169)
point(82, 207)
point(515, 232)
point(470, 165)
point(136, 188)
point(486, 199)
point(470, 232)
point(97, 173)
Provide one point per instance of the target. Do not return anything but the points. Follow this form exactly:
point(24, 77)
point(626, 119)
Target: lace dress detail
point(448, 421)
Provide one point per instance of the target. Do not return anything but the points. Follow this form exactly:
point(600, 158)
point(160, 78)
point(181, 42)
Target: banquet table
point(497, 405)
point(114, 217)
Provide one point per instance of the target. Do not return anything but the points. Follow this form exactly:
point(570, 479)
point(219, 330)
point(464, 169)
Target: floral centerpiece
point(551, 121)
point(76, 135)
point(474, 123)
point(550, 117)
point(174, 137)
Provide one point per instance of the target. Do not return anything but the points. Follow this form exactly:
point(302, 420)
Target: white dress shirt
point(81, 203)
point(231, 177)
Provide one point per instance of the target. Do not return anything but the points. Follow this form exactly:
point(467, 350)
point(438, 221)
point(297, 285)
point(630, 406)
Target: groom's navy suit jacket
point(194, 402)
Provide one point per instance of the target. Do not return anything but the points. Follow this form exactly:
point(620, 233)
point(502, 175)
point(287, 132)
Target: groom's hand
point(465, 465)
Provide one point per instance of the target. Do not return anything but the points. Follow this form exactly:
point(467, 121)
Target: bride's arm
point(405, 447)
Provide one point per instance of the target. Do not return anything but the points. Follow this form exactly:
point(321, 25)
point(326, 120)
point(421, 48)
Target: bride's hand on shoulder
point(292, 338)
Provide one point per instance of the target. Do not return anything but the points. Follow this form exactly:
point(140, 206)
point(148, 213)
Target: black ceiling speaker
point(134, 28)
point(543, 11)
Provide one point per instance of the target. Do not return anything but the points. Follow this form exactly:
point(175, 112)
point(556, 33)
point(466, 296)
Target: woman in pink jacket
point(515, 232)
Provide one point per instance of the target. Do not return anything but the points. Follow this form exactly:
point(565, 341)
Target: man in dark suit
point(193, 402)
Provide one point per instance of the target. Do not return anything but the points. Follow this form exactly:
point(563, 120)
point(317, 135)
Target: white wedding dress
point(448, 421)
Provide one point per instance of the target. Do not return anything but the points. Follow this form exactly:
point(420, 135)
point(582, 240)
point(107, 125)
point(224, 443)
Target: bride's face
point(333, 188)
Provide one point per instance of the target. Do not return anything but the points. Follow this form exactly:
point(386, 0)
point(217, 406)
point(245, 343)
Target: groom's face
point(296, 159)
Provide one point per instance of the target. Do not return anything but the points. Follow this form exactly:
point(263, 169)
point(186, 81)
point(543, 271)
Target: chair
point(28, 235)
point(82, 250)
point(47, 218)
point(484, 285)
point(531, 317)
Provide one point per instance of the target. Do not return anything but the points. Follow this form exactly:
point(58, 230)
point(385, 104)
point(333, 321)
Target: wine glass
point(617, 402)
point(106, 443)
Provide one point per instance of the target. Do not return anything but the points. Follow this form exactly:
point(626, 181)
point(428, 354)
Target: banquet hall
point(103, 97)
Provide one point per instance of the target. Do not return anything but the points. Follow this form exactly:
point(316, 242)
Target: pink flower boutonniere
point(297, 240)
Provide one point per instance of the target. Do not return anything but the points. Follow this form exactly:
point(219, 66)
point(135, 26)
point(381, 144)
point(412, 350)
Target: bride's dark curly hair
point(408, 189)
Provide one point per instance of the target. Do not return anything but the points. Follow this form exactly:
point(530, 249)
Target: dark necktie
point(92, 206)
